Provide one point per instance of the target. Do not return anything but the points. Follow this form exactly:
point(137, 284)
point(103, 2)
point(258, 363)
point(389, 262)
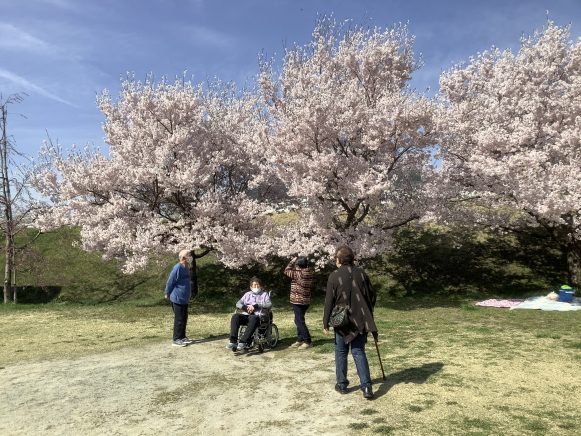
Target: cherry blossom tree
point(183, 169)
point(338, 135)
point(348, 137)
point(511, 138)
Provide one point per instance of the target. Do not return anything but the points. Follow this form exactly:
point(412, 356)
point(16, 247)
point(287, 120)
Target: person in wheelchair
point(253, 305)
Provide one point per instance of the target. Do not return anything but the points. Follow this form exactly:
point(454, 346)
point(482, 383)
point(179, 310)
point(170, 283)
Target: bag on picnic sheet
point(339, 316)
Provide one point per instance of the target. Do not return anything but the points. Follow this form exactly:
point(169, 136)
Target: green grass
point(383, 429)
point(448, 370)
point(358, 425)
point(451, 367)
point(56, 259)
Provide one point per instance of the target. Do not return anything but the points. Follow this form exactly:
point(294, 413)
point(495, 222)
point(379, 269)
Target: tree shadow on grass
point(417, 375)
point(328, 341)
point(285, 343)
point(409, 303)
point(210, 339)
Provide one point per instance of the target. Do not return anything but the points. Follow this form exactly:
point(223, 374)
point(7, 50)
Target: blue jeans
point(303, 334)
point(358, 353)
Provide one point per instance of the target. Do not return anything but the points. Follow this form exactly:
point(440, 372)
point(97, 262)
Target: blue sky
point(62, 53)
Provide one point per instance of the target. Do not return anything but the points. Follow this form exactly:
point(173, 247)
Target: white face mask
point(255, 290)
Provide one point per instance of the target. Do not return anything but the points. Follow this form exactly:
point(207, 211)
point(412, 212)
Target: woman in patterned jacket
point(300, 298)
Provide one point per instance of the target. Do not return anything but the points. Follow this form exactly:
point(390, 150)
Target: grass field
point(451, 368)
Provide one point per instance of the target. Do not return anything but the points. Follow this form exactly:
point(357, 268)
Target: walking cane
point(378, 355)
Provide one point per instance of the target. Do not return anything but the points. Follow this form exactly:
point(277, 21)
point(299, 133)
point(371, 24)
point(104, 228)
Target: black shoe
point(341, 389)
point(367, 392)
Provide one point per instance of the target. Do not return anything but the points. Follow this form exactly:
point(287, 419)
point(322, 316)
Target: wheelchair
point(265, 335)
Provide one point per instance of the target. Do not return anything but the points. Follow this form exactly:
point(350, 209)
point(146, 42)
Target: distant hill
point(424, 260)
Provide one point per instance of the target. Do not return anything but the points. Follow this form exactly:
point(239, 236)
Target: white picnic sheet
point(543, 303)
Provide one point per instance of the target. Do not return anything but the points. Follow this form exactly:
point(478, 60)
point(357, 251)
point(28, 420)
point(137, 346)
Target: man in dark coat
point(350, 286)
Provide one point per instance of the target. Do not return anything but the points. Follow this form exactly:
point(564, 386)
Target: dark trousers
point(303, 334)
point(180, 319)
point(238, 319)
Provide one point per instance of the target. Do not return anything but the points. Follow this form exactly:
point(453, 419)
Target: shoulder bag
point(340, 314)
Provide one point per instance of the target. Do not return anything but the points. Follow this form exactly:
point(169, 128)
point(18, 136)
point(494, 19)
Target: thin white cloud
point(11, 37)
point(31, 87)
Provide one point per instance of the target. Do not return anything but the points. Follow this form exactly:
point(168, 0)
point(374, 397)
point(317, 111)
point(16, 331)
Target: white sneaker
point(297, 344)
point(231, 345)
point(187, 341)
point(241, 346)
point(179, 343)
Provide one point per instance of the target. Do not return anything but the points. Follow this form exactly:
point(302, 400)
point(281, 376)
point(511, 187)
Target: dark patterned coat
point(362, 302)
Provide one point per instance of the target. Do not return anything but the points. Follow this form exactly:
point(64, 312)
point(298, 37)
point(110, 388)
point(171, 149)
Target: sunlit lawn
point(451, 369)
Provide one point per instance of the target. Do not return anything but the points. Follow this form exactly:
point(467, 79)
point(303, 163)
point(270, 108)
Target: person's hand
point(166, 296)
point(294, 259)
point(250, 309)
point(326, 332)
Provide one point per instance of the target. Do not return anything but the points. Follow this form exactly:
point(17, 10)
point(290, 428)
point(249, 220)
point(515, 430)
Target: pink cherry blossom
point(511, 132)
point(348, 138)
point(183, 171)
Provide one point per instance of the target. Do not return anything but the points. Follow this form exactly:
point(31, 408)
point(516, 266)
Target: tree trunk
point(194, 275)
point(7, 271)
point(9, 224)
point(194, 270)
point(14, 287)
point(573, 265)
point(7, 203)
point(9, 267)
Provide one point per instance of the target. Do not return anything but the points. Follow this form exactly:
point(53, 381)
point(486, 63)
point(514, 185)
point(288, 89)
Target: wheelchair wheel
point(273, 339)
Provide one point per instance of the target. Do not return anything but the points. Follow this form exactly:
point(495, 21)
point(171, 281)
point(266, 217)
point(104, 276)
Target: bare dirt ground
point(160, 389)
